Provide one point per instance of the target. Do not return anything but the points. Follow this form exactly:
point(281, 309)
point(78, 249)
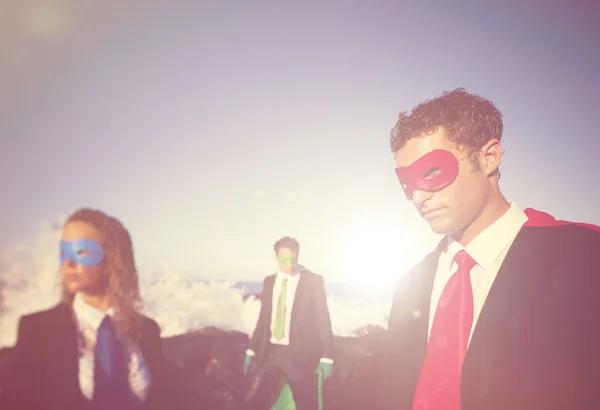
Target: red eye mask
point(432, 172)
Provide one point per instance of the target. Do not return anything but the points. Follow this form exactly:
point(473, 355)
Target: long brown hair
point(119, 264)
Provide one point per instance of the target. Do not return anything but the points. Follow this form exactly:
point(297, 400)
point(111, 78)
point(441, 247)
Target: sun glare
point(373, 255)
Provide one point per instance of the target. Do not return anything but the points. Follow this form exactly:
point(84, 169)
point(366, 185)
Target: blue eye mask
point(85, 252)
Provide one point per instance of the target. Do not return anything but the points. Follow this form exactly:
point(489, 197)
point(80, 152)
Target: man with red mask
point(503, 315)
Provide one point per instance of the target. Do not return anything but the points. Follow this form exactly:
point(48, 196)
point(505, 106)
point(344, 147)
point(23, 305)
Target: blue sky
point(213, 128)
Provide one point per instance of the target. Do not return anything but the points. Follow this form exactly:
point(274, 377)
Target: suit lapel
point(301, 292)
point(268, 292)
point(517, 276)
point(64, 358)
point(409, 322)
point(266, 299)
point(420, 308)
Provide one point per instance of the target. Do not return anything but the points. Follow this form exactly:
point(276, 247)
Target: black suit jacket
point(536, 345)
point(46, 366)
point(311, 336)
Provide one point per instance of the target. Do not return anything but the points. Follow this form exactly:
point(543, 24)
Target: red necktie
point(439, 382)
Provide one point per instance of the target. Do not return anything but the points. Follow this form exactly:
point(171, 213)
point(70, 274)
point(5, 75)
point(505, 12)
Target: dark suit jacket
point(311, 336)
point(536, 345)
point(46, 367)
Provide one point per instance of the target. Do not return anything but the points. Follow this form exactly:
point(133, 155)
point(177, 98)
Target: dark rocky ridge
point(204, 370)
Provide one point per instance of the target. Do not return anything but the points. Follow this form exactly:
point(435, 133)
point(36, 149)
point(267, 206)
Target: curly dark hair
point(469, 120)
point(287, 242)
point(119, 262)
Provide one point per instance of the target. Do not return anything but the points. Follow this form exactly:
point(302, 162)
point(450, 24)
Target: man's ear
point(491, 155)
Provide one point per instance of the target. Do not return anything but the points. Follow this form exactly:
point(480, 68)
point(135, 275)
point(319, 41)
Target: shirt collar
point(294, 274)
point(282, 275)
point(491, 242)
point(88, 314)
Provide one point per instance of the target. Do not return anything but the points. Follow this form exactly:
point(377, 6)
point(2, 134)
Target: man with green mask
point(293, 339)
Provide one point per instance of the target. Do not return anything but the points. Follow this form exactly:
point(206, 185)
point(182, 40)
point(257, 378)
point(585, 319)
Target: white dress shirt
point(488, 249)
point(291, 287)
point(88, 320)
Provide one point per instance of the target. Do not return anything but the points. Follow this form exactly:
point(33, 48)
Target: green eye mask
point(287, 259)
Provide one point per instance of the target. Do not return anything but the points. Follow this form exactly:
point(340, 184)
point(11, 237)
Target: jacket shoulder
point(424, 263)
point(46, 315)
point(149, 325)
point(580, 233)
point(37, 327)
point(314, 278)
point(567, 241)
point(311, 274)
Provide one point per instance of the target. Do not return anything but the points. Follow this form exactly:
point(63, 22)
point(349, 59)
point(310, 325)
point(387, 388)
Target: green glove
point(326, 368)
point(247, 361)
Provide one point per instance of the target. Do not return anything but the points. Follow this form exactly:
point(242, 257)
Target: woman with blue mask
point(94, 350)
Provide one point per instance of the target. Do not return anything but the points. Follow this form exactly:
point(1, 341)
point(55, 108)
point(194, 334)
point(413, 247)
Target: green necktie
point(280, 314)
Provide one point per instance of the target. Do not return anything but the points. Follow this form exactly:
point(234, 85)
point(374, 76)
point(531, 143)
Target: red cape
point(539, 218)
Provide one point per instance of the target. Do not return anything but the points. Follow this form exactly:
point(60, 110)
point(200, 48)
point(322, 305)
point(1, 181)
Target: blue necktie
point(111, 386)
